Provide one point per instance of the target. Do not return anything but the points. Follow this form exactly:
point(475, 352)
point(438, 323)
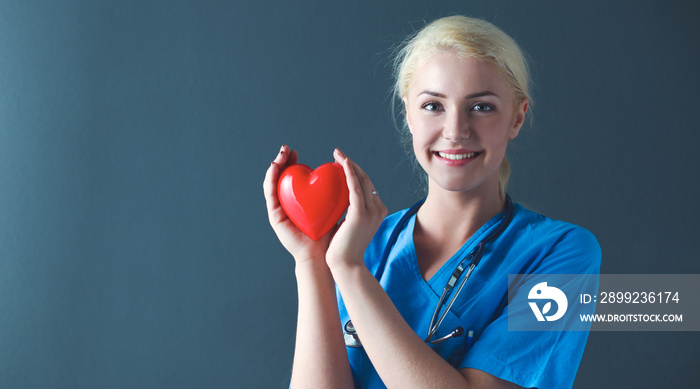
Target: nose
point(456, 126)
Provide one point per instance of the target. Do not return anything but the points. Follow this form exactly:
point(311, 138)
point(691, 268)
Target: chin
point(464, 184)
point(455, 185)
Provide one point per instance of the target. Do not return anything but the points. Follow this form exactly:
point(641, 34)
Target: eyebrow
point(471, 96)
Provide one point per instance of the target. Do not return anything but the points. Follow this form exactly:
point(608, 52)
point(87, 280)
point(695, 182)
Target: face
point(461, 115)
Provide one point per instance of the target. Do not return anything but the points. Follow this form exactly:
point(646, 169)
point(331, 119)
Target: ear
point(405, 112)
point(519, 116)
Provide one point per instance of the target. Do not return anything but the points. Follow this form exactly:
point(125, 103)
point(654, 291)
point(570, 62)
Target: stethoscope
point(469, 262)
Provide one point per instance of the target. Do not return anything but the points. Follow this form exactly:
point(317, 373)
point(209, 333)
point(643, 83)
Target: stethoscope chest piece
point(351, 338)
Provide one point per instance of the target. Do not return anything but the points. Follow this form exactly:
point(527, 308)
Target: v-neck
point(438, 281)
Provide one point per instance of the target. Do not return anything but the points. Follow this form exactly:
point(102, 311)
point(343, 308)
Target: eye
point(483, 107)
point(432, 106)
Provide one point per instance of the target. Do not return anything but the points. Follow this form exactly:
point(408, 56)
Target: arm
point(320, 358)
point(400, 357)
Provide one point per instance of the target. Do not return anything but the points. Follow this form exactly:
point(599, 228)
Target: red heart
point(314, 199)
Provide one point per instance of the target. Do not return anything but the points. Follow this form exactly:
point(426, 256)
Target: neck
point(457, 215)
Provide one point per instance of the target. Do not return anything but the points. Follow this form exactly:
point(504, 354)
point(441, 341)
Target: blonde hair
point(471, 38)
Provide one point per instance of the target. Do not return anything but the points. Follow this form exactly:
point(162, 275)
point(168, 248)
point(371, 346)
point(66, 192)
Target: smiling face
point(461, 115)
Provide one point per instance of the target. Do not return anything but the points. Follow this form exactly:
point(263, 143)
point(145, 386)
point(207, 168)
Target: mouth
point(456, 156)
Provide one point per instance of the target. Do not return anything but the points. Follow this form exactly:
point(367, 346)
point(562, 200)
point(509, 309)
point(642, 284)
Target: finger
point(372, 201)
point(270, 183)
point(365, 181)
point(293, 158)
point(368, 190)
point(286, 157)
point(354, 186)
point(275, 212)
point(283, 156)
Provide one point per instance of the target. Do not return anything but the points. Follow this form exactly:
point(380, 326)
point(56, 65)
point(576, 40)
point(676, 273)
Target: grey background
point(134, 136)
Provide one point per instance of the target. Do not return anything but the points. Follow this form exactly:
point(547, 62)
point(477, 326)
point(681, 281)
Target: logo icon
point(543, 292)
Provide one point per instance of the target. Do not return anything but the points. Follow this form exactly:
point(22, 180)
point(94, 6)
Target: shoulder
point(547, 238)
point(539, 226)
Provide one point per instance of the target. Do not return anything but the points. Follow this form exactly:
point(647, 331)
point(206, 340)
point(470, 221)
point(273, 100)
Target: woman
point(464, 87)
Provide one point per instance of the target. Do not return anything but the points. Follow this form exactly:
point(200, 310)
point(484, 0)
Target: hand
point(296, 242)
point(365, 213)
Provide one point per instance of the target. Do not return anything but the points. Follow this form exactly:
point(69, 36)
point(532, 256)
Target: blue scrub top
point(531, 244)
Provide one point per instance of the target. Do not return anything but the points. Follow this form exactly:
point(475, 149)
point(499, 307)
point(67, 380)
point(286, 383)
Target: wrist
point(343, 268)
point(314, 266)
point(314, 280)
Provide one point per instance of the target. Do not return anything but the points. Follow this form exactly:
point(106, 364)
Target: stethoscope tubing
point(474, 257)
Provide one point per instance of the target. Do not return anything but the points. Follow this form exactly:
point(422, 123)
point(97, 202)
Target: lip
point(456, 162)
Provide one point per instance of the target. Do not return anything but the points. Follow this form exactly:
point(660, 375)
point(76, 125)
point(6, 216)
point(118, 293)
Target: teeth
point(456, 157)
